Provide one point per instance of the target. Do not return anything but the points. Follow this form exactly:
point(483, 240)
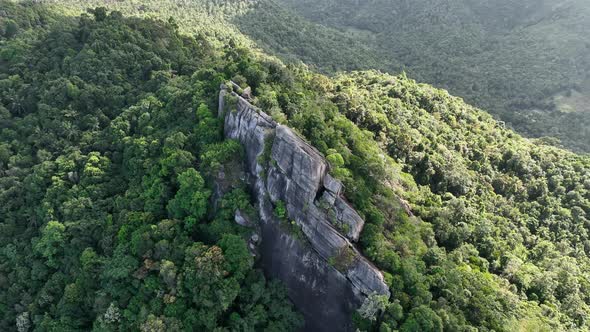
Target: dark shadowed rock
point(242, 219)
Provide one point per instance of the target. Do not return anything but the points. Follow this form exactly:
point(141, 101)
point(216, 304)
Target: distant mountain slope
point(292, 37)
point(505, 56)
point(516, 60)
point(273, 28)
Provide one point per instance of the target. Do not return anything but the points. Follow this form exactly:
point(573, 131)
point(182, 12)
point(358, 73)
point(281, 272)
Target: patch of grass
point(343, 259)
point(280, 210)
point(231, 103)
point(265, 157)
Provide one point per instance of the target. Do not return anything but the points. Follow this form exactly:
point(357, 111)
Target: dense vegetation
point(106, 146)
point(526, 61)
point(108, 154)
point(499, 240)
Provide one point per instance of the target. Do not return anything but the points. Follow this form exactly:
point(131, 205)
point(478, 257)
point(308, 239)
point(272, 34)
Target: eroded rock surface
point(311, 250)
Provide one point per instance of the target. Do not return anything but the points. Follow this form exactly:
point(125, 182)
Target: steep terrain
point(107, 146)
point(307, 227)
point(123, 207)
point(515, 59)
point(498, 224)
point(512, 58)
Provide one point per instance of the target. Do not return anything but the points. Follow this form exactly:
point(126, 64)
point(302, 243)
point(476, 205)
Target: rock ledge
point(312, 252)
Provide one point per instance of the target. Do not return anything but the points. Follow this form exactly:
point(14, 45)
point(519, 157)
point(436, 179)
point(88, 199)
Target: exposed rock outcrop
point(311, 251)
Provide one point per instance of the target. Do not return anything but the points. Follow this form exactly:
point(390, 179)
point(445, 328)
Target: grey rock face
point(247, 93)
point(350, 220)
point(332, 185)
point(242, 219)
point(73, 177)
point(301, 251)
point(328, 198)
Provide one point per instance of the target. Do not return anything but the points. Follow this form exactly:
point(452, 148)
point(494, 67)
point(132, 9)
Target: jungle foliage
point(525, 62)
point(108, 150)
point(108, 129)
point(497, 239)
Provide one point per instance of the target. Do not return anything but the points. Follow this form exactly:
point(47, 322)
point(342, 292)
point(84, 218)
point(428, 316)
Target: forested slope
point(106, 143)
point(252, 23)
point(525, 61)
point(499, 240)
point(108, 151)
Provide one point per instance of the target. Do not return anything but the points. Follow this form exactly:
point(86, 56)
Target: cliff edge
point(309, 246)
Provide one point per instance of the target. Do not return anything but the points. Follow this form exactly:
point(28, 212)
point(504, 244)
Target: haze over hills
point(159, 171)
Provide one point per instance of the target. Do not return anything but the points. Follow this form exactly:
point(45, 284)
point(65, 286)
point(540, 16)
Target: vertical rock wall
point(312, 251)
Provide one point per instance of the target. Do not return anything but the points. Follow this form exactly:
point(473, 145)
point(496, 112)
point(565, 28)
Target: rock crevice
point(310, 250)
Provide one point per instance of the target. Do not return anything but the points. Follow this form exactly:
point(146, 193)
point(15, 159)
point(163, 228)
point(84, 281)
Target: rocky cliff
point(310, 246)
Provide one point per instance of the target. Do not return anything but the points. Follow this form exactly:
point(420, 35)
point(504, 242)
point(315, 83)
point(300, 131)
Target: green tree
point(190, 201)
point(237, 257)
point(422, 319)
point(51, 243)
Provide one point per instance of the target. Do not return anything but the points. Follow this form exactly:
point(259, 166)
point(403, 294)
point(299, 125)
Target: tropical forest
point(295, 165)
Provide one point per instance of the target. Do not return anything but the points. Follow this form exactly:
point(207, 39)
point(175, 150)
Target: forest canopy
point(525, 62)
point(106, 221)
point(111, 217)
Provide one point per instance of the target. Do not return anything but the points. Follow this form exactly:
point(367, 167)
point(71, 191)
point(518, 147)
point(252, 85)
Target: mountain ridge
point(327, 278)
point(113, 166)
point(519, 77)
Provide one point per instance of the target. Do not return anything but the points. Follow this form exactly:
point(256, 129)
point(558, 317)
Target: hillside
point(119, 188)
point(499, 221)
point(108, 131)
point(528, 69)
point(512, 58)
point(273, 28)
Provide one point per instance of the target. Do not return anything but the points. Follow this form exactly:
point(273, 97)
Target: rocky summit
point(311, 249)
